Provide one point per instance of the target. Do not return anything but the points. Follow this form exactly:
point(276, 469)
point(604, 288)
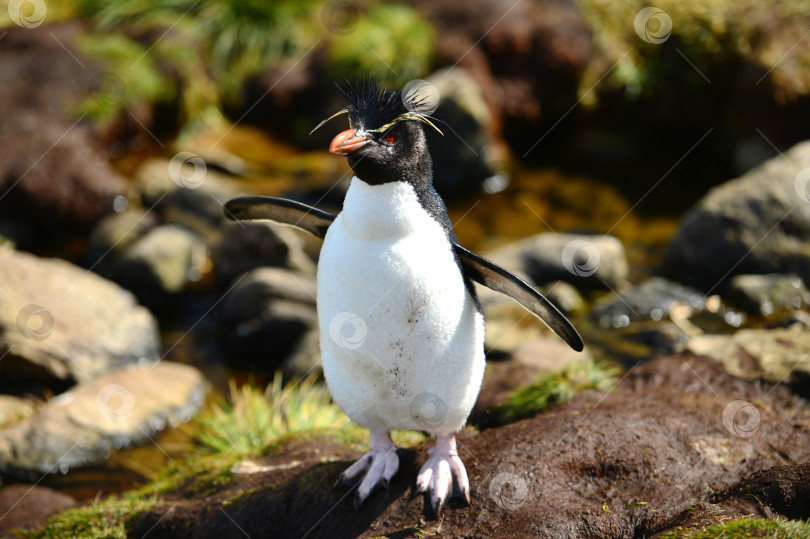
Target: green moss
point(104, 520)
point(745, 527)
point(557, 388)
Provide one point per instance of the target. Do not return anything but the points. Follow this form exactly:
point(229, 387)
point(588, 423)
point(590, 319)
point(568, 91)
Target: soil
point(649, 456)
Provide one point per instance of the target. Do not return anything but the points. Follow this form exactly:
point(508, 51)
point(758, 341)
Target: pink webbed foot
point(373, 470)
point(440, 472)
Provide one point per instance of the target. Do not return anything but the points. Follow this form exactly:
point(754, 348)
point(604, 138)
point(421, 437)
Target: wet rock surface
point(119, 409)
point(583, 260)
point(62, 324)
point(776, 355)
point(768, 294)
point(621, 464)
point(758, 223)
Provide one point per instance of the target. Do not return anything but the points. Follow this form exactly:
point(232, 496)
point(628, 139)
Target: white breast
point(401, 340)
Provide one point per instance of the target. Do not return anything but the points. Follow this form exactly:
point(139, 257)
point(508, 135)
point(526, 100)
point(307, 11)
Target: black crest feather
point(374, 108)
point(370, 105)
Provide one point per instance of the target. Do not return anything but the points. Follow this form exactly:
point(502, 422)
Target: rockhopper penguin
point(402, 332)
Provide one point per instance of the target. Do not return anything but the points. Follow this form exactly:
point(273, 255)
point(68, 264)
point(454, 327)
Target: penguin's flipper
point(280, 210)
point(497, 278)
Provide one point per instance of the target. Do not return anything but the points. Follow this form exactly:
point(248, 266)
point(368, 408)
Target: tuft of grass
point(251, 420)
point(556, 388)
point(746, 527)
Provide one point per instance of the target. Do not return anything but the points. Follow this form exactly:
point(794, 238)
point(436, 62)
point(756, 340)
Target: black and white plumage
point(392, 272)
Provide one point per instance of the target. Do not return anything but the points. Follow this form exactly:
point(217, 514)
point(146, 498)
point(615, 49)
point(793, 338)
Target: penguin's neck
point(389, 210)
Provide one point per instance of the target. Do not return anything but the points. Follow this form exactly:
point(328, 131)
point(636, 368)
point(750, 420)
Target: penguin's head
point(386, 141)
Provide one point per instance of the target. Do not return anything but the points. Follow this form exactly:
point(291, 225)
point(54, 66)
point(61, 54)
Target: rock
point(267, 316)
point(113, 234)
point(118, 409)
point(618, 464)
point(564, 296)
point(29, 506)
point(61, 324)
point(162, 263)
point(247, 246)
point(54, 176)
point(758, 223)
point(766, 294)
point(654, 299)
point(585, 261)
point(768, 354)
point(466, 157)
point(14, 409)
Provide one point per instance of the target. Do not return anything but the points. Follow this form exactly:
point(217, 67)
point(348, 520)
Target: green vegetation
point(556, 388)
point(252, 420)
point(250, 423)
point(710, 33)
point(392, 43)
point(746, 527)
point(196, 58)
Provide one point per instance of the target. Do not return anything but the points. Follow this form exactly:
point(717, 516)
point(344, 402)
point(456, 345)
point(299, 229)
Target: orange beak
point(346, 142)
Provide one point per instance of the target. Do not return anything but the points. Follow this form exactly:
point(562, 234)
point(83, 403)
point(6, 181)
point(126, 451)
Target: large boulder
point(61, 324)
point(119, 409)
point(758, 223)
point(54, 175)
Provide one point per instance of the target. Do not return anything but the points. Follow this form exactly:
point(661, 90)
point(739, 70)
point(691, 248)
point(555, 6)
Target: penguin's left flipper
point(501, 280)
point(280, 210)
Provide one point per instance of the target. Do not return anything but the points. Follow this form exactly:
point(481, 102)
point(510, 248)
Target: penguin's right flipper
point(280, 210)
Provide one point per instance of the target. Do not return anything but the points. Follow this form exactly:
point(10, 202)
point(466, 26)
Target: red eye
point(390, 138)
